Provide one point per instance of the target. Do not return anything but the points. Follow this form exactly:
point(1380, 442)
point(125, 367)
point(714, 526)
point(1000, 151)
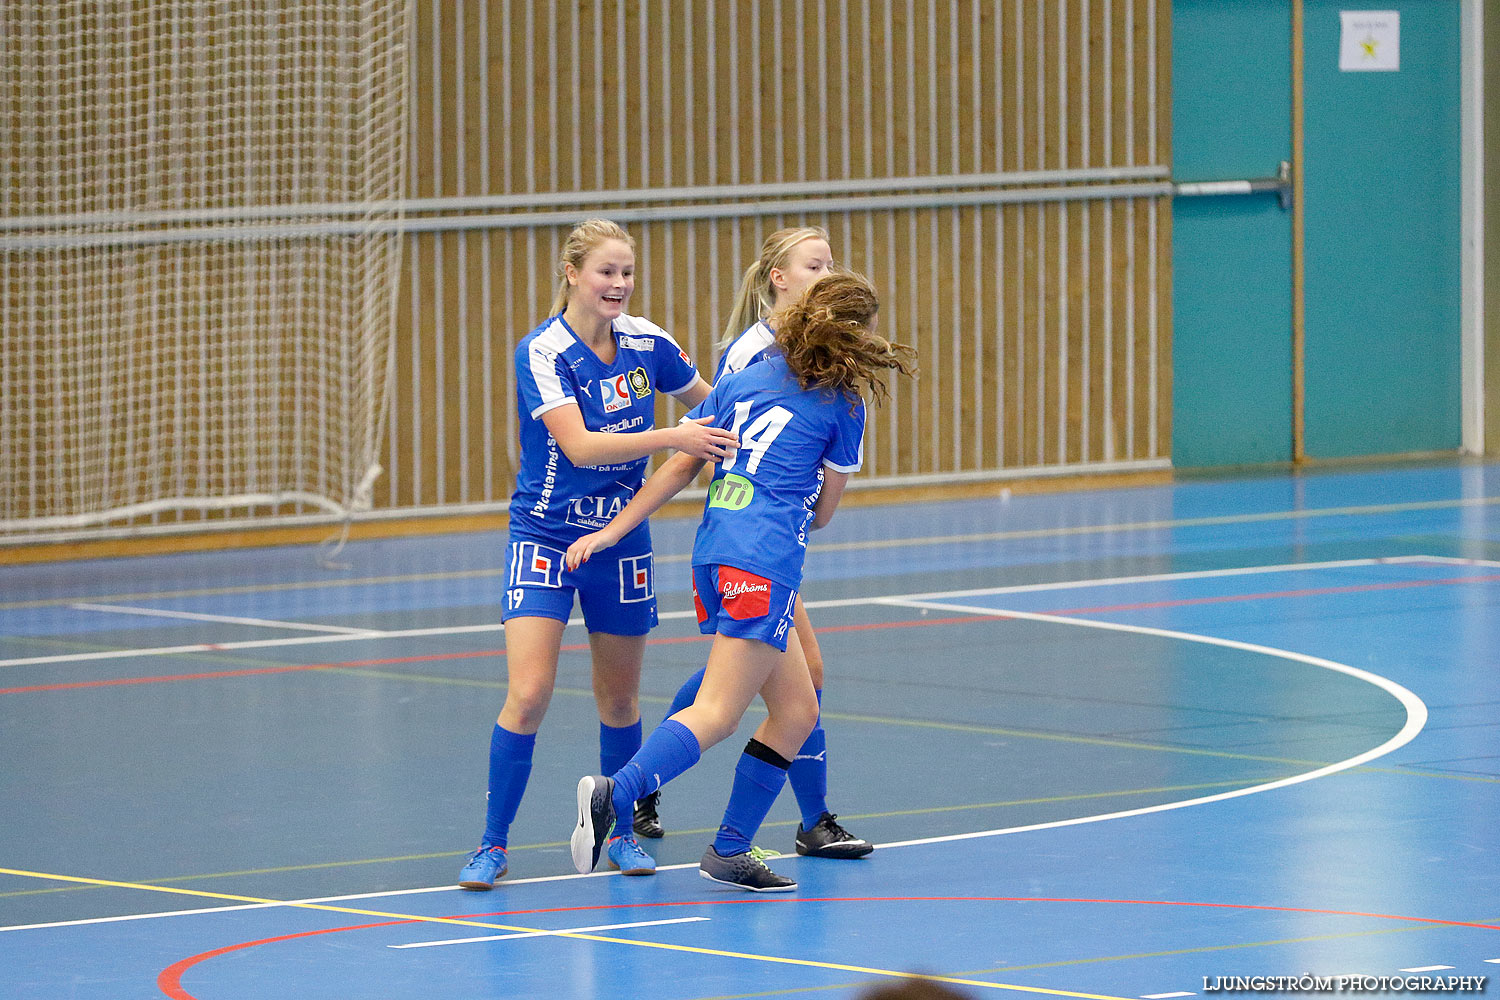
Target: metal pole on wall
point(1472, 311)
point(1299, 286)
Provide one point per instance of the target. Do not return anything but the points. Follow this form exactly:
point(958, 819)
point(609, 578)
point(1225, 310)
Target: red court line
point(427, 658)
point(868, 626)
point(170, 979)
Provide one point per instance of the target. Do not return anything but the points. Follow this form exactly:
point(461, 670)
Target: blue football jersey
point(556, 501)
point(760, 500)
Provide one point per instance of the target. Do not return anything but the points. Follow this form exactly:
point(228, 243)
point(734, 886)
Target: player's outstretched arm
point(665, 483)
point(589, 448)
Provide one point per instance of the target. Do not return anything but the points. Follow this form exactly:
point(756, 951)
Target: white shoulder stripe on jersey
point(640, 326)
point(746, 346)
point(542, 357)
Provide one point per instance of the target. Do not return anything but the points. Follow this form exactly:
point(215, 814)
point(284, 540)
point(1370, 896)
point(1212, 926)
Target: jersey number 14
point(758, 437)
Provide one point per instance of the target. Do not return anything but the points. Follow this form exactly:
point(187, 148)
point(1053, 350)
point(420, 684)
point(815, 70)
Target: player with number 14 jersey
point(760, 501)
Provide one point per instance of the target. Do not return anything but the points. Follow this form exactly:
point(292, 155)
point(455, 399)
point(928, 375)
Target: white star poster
point(1371, 40)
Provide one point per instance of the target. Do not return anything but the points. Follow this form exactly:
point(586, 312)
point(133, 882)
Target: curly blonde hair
point(828, 344)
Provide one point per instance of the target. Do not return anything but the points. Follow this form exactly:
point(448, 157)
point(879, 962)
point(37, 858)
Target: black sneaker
point(743, 871)
point(596, 814)
point(646, 822)
point(827, 839)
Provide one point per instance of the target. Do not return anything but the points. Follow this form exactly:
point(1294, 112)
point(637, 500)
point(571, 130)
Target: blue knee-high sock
point(758, 779)
point(616, 747)
point(688, 693)
point(808, 774)
point(668, 751)
point(510, 767)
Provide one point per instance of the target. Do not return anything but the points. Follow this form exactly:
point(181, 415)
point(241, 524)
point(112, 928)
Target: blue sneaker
point(626, 855)
point(596, 816)
point(484, 868)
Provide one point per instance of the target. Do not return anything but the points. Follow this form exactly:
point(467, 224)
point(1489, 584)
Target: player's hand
point(578, 553)
point(698, 439)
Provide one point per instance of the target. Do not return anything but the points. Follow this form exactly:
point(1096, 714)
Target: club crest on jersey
point(639, 383)
point(614, 393)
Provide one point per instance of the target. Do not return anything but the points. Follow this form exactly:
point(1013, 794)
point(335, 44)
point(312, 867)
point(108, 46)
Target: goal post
point(200, 247)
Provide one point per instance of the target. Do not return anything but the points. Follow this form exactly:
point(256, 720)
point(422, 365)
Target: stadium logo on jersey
point(639, 383)
point(615, 393)
point(593, 513)
point(731, 493)
point(744, 595)
point(635, 579)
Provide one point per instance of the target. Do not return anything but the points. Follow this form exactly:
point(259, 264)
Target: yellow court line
point(575, 935)
point(1066, 963)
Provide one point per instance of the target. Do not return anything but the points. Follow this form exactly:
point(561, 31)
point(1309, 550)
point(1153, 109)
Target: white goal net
point(199, 252)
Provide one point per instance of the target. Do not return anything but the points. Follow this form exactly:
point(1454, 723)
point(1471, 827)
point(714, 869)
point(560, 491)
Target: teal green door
point(1383, 239)
point(1382, 249)
point(1231, 255)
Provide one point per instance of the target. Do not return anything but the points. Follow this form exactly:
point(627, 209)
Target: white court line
point(1427, 968)
point(532, 934)
point(1455, 560)
point(1416, 714)
point(1025, 588)
point(1416, 718)
point(120, 609)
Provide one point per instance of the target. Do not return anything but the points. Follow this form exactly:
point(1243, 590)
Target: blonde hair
point(585, 238)
point(828, 344)
point(756, 298)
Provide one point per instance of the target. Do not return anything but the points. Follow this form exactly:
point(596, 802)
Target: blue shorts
point(616, 588)
point(737, 602)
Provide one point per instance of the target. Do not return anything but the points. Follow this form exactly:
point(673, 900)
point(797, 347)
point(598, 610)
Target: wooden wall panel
point(1042, 326)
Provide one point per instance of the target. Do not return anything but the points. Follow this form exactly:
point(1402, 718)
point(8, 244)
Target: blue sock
point(688, 693)
point(510, 767)
point(758, 779)
point(808, 774)
point(668, 751)
point(616, 747)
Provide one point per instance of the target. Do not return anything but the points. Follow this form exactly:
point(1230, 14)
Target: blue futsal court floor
point(1124, 743)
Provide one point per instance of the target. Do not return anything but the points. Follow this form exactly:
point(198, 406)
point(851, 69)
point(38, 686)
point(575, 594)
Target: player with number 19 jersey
point(760, 500)
point(556, 501)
